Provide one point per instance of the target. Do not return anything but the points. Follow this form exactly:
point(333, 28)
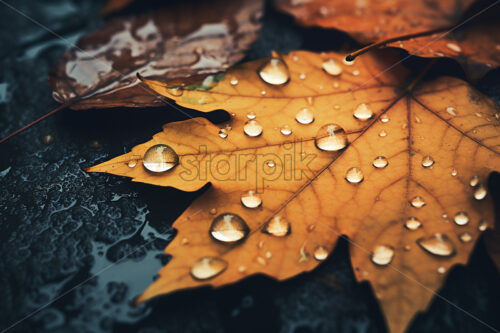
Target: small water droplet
point(412, 223)
point(242, 269)
point(427, 161)
point(234, 81)
point(332, 67)
point(441, 270)
point(48, 139)
point(176, 92)
point(132, 163)
point(251, 115)
point(253, 128)
point(336, 107)
point(286, 130)
point(465, 237)
point(260, 245)
point(384, 118)
point(380, 162)
point(437, 244)
point(454, 47)
point(382, 134)
point(355, 72)
point(304, 116)
point(483, 225)
point(302, 76)
point(160, 158)
point(185, 241)
point(461, 218)
point(213, 211)
point(474, 180)
point(223, 133)
point(320, 253)
point(251, 200)
point(480, 192)
point(451, 110)
point(331, 137)
point(269, 255)
point(207, 268)
point(363, 112)
point(382, 255)
point(277, 226)
point(454, 172)
point(261, 261)
point(346, 62)
point(417, 202)
point(229, 228)
point(274, 72)
point(311, 227)
point(418, 120)
point(270, 163)
point(354, 175)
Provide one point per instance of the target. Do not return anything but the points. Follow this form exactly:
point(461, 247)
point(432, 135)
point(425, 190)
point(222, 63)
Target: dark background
point(60, 226)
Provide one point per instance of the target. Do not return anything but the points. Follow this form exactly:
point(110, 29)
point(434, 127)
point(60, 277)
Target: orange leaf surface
point(415, 153)
point(475, 45)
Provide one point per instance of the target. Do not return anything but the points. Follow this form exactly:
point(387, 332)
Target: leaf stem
point(420, 75)
point(353, 55)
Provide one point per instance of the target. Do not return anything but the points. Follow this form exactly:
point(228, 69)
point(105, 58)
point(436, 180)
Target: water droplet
point(332, 67)
point(269, 255)
point(412, 223)
point(176, 92)
point(427, 161)
point(261, 261)
point(363, 112)
point(354, 175)
point(234, 81)
point(47, 139)
point(441, 270)
point(454, 47)
point(263, 92)
point(348, 63)
point(461, 218)
point(160, 158)
point(454, 172)
point(382, 134)
point(384, 118)
point(302, 76)
point(270, 163)
point(311, 227)
point(253, 128)
point(320, 253)
point(207, 268)
point(132, 163)
point(251, 200)
point(260, 245)
point(213, 211)
point(304, 116)
point(229, 228)
point(417, 202)
point(277, 226)
point(437, 244)
point(274, 72)
point(480, 192)
point(251, 115)
point(451, 110)
point(223, 133)
point(418, 120)
point(355, 72)
point(465, 237)
point(185, 241)
point(380, 162)
point(242, 269)
point(483, 225)
point(474, 181)
point(382, 255)
point(286, 130)
point(331, 137)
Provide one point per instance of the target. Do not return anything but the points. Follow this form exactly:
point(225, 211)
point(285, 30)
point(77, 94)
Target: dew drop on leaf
point(382, 255)
point(483, 225)
point(465, 237)
point(176, 92)
point(286, 130)
point(417, 202)
point(160, 158)
point(277, 226)
point(451, 110)
point(437, 244)
point(441, 270)
point(304, 116)
point(412, 223)
point(274, 72)
point(474, 180)
point(382, 134)
point(320, 253)
point(213, 211)
point(461, 218)
point(132, 163)
point(427, 161)
point(454, 47)
point(223, 133)
point(234, 81)
point(251, 115)
point(207, 268)
point(480, 192)
point(229, 228)
point(354, 175)
point(384, 118)
point(332, 67)
point(363, 112)
point(250, 199)
point(380, 162)
point(253, 128)
point(331, 137)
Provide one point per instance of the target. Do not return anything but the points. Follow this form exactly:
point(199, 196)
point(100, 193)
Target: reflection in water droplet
point(483, 225)
point(441, 270)
point(427, 161)
point(242, 269)
point(270, 163)
point(454, 172)
point(223, 133)
point(384, 118)
point(302, 76)
point(251, 200)
point(228, 228)
point(412, 223)
point(261, 261)
point(437, 244)
point(251, 115)
point(417, 202)
point(160, 158)
point(286, 130)
point(253, 128)
point(380, 162)
point(304, 116)
point(132, 163)
point(277, 226)
point(454, 47)
point(461, 218)
point(465, 237)
point(234, 81)
point(474, 181)
point(332, 67)
point(382, 255)
point(331, 137)
point(274, 72)
point(480, 192)
point(213, 211)
point(451, 110)
point(382, 134)
point(320, 253)
point(263, 92)
point(207, 268)
point(363, 112)
point(354, 175)
point(355, 72)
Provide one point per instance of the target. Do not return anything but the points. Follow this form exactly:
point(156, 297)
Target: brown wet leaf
point(115, 5)
point(475, 45)
point(180, 41)
point(434, 139)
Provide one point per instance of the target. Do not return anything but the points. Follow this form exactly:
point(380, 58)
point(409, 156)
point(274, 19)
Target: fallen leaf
point(180, 41)
point(475, 45)
point(414, 153)
point(115, 5)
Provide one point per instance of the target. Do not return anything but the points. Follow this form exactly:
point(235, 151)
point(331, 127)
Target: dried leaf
point(415, 153)
point(183, 40)
point(475, 45)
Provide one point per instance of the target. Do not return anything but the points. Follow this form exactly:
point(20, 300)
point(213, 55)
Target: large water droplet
point(160, 158)
point(461, 218)
point(320, 253)
point(304, 116)
point(274, 72)
point(480, 192)
point(277, 226)
point(380, 162)
point(253, 128)
point(437, 244)
point(286, 130)
point(382, 255)
point(363, 112)
point(332, 67)
point(331, 137)
point(229, 228)
point(417, 202)
point(354, 175)
point(251, 200)
point(412, 223)
point(207, 268)
point(427, 161)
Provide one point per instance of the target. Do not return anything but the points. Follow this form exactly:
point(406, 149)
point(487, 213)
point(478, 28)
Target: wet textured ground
point(76, 248)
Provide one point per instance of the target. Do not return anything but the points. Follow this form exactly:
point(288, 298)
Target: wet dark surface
point(65, 234)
